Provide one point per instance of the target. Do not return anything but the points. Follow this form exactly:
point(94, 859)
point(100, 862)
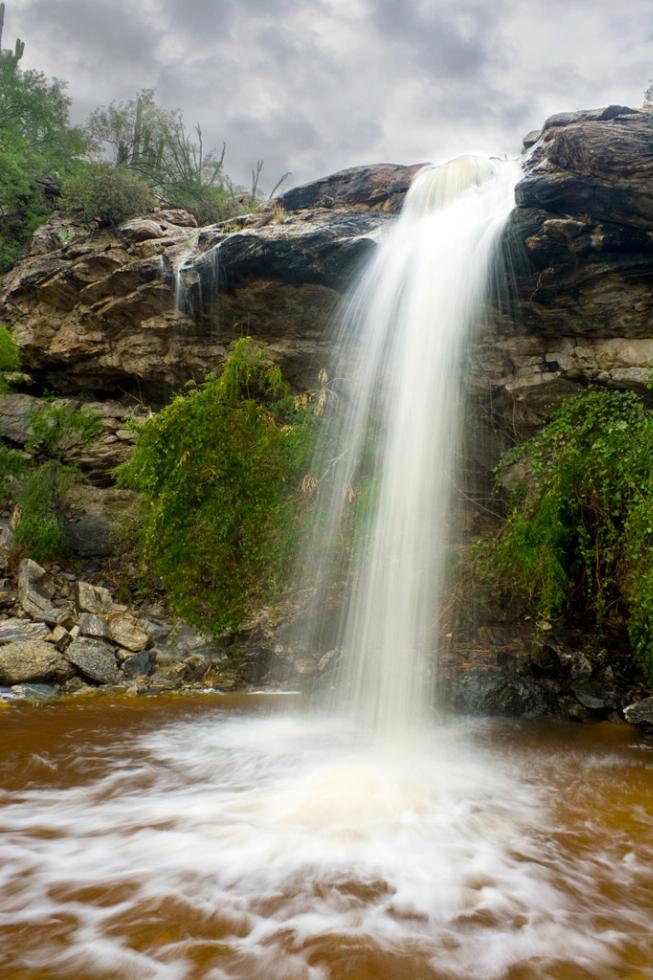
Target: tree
point(37, 144)
point(156, 144)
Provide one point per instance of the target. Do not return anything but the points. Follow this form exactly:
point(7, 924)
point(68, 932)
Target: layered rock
point(147, 306)
point(579, 246)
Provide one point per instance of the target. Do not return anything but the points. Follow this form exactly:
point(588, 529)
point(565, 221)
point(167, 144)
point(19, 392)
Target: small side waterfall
point(398, 425)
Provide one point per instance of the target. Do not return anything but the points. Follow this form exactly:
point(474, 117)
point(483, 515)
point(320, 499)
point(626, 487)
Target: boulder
point(14, 630)
point(94, 659)
point(127, 631)
point(93, 624)
point(35, 594)
point(32, 660)
point(92, 598)
point(140, 665)
point(640, 713)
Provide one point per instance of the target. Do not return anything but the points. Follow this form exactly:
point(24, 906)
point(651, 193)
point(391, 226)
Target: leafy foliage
point(39, 499)
point(578, 540)
point(9, 358)
point(218, 470)
point(36, 480)
point(57, 426)
point(104, 193)
point(155, 144)
point(37, 145)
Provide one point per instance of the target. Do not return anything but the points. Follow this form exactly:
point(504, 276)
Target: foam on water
point(296, 835)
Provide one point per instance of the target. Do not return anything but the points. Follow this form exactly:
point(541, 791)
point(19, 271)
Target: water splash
point(399, 419)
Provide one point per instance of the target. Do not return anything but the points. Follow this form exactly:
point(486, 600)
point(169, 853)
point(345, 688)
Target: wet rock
point(174, 644)
point(640, 714)
point(488, 691)
point(140, 665)
point(16, 630)
point(36, 692)
point(32, 660)
point(94, 659)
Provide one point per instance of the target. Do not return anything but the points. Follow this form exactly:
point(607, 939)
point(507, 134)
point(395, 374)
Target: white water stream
point(404, 338)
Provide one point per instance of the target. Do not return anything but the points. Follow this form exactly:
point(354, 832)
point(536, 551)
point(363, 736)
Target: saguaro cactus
point(19, 47)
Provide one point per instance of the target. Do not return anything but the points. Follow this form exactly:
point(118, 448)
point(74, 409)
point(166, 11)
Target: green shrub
point(578, 540)
point(105, 193)
point(57, 426)
point(39, 531)
point(12, 464)
point(218, 471)
point(9, 358)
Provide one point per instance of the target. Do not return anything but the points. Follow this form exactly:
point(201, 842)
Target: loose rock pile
point(62, 634)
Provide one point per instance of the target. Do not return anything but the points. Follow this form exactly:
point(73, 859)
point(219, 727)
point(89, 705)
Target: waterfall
point(398, 426)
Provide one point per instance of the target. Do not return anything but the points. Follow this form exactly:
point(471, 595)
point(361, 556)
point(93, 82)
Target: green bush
point(218, 471)
point(9, 358)
point(57, 426)
point(39, 499)
point(578, 540)
point(105, 193)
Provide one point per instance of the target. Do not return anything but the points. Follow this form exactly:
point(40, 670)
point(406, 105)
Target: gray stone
point(92, 598)
point(15, 630)
point(94, 659)
point(35, 592)
point(140, 665)
point(36, 692)
point(97, 626)
point(182, 641)
point(127, 631)
point(32, 660)
point(640, 713)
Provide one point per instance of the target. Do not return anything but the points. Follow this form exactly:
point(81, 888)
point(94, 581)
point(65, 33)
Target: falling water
point(405, 335)
point(182, 263)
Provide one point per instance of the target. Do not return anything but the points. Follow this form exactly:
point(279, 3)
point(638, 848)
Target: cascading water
point(404, 338)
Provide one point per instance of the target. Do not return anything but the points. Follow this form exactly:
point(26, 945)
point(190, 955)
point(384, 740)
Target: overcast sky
point(313, 86)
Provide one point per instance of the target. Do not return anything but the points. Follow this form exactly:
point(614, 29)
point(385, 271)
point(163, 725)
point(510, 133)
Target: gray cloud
point(316, 85)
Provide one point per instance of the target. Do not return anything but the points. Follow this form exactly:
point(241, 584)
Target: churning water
point(174, 839)
point(398, 421)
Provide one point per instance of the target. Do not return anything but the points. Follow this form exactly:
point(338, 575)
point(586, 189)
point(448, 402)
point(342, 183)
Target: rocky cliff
point(113, 316)
point(96, 312)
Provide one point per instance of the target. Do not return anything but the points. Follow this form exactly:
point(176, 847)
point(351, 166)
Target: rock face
point(579, 242)
point(97, 312)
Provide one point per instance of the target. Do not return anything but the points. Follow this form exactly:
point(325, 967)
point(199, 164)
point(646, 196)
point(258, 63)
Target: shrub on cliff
point(37, 144)
point(578, 540)
point(104, 193)
point(35, 479)
point(218, 472)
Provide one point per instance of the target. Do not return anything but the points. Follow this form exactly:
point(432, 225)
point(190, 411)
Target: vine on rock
point(577, 544)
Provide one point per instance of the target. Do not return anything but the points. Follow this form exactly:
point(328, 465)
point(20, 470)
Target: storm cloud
point(312, 86)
